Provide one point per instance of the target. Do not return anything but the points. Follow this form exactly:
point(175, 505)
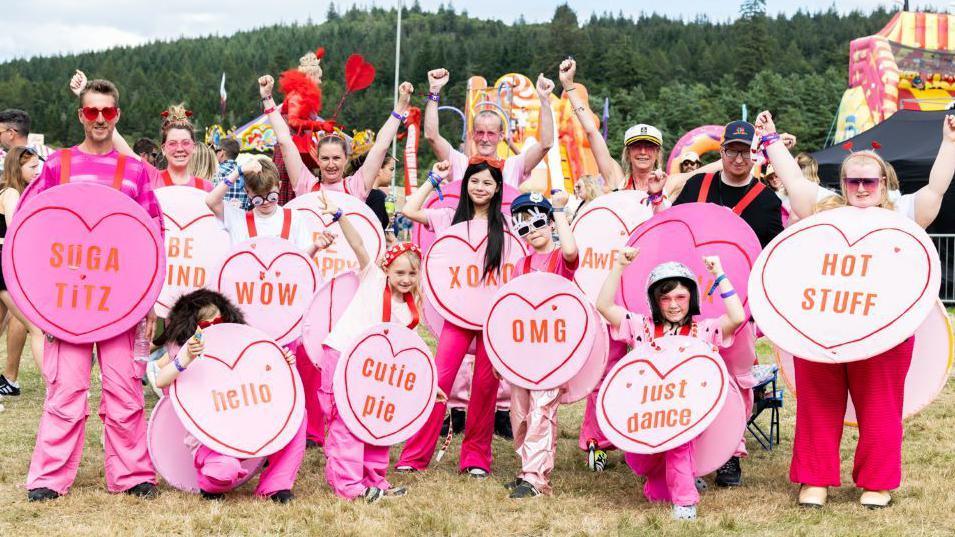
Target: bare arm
point(352, 237)
point(535, 153)
point(928, 199)
point(293, 161)
point(376, 155)
point(413, 204)
point(677, 181)
point(614, 313)
point(802, 192)
point(437, 78)
point(735, 314)
point(568, 246)
point(168, 371)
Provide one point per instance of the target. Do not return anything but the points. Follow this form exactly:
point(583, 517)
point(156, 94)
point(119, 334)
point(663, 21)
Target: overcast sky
point(44, 27)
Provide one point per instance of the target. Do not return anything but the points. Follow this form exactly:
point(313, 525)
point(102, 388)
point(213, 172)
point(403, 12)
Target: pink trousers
point(351, 465)
point(739, 358)
point(534, 422)
point(460, 392)
point(479, 423)
point(877, 387)
point(311, 382)
point(218, 473)
point(589, 429)
point(670, 475)
point(60, 436)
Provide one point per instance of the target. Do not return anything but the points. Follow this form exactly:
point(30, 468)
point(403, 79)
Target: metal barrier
point(945, 244)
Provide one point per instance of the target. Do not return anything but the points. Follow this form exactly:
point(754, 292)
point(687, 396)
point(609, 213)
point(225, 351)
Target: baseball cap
point(738, 131)
point(645, 132)
point(689, 156)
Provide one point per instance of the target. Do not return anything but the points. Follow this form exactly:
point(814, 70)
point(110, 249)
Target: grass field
point(441, 502)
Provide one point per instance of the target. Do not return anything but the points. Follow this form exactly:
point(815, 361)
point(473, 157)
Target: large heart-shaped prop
point(195, 243)
point(386, 384)
point(272, 282)
point(845, 284)
point(588, 378)
point(84, 262)
point(658, 398)
point(454, 272)
point(423, 237)
point(601, 230)
point(240, 398)
point(684, 233)
point(339, 258)
point(327, 306)
point(539, 331)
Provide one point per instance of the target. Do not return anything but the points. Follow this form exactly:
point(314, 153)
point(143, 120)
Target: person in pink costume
point(877, 384)
point(674, 301)
point(67, 366)
point(534, 412)
point(217, 473)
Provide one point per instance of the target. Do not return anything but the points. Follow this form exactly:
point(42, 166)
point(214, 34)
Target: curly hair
point(184, 316)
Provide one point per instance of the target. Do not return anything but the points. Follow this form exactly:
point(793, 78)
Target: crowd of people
point(246, 200)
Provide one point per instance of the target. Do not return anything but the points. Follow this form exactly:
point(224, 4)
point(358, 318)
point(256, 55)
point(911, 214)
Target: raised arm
point(928, 199)
point(605, 299)
point(735, 314)
point(609, 168)
point(802, 192)
point(352, 237)
point(568, 246)
point(376, 155)
point(535, 153)
point(215, 197)
point(677, 181)
point(414, 203)
point(293, 161)
point(437, 78)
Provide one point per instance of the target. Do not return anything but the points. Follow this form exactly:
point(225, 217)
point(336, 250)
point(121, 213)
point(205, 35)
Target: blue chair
point(766, 396)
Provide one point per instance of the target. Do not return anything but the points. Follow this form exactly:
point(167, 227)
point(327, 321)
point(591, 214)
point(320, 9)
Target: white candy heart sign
point(660, 397)
point(241, 397)
point(845, 284)
point(386, 384)
point(327, 306)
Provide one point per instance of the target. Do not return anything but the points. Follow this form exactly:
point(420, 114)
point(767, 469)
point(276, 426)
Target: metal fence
point(945, 244)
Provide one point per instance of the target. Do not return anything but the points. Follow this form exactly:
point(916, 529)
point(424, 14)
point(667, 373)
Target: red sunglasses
point(207, 324)
point(91, 113)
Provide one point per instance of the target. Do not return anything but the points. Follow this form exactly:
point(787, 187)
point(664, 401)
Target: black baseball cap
point(738, 131)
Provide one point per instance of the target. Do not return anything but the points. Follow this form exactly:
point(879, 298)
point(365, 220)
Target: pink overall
point(877, 387)
point(218, 473)
point(311, 381)
point(739, 357)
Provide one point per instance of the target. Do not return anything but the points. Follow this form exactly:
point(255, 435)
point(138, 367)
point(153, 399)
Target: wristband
point(432, 96)
point(398, 116)
point(178, 364)
point(716, 284)
point(557, 209)
point(436, 183)
point(728, 294)
point(337, 216)
point(266, 98)
point(228, 182)
point(269, 110)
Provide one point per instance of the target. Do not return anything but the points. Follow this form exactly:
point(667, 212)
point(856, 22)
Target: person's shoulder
point(769, 198)
point(375, 195)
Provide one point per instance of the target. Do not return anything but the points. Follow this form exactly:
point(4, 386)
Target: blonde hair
point(261, 183)
point(887, 170)
point(809, 166)
point(590, 187)
point(415, 263)
point(625, 161)
point(203, 163)
point(177, 117)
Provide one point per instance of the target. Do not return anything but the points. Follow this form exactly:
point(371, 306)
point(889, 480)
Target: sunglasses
point(524, 228)
point(272, 197)
point(866, 183)
point(91, 113)
point(175, 145)
point(207, 324)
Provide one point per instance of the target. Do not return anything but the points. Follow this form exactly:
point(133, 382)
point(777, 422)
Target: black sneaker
point(502, 425)
point(730, 474)
point(146, 491)
point(6, 388)
point(373, 494)
point(42, 494)
point(525, 490)
point(511, 485)
point(282, 496)
point(212, 496)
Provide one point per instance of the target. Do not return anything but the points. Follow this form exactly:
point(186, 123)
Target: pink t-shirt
point(636, 328)
point(439, 219)
point(100, 169)
point(160, 178)
point(513, 171)
point(552, 261)
point(353, 184)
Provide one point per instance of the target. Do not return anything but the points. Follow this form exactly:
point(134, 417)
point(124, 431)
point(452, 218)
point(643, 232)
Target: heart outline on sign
point(351, 216)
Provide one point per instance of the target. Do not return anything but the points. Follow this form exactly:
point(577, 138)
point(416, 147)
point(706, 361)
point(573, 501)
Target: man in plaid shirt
point(226, 153)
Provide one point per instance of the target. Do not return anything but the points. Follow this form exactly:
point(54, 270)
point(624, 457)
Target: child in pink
point(674, 301)
point(218, 473)
point(534, 412)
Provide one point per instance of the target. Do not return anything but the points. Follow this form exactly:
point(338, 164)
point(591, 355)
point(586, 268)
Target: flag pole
point(394, 142)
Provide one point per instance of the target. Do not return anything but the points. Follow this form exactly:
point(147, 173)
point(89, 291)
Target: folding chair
point(766, 396)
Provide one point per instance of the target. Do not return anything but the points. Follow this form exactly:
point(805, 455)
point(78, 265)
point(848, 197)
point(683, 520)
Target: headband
point(397, 250)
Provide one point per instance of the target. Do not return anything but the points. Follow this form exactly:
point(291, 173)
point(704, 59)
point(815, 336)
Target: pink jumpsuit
point(67, 366)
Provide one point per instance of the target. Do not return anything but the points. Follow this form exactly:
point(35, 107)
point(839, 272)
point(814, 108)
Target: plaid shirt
point(236, 193)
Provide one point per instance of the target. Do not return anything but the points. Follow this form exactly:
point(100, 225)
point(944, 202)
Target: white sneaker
point(684, 512)
point(477, 473)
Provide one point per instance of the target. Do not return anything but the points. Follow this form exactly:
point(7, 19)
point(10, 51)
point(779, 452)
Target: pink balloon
point(386, 384)
point(272, 282)
point(685, 233)
point(241, 397)
point(657, 398)
point(172, 458)
point(539, 331)
point(84, 262)
point(721, 439)
point(588, 378)
point(327, 306)
point(339, 257)
point(453, 270)
point(423, 237)
point(195, 243)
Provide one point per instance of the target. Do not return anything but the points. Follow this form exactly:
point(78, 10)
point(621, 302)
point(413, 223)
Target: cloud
point(48, 38)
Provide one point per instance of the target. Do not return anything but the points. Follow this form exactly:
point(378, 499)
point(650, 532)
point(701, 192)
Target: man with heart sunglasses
point(67, 366)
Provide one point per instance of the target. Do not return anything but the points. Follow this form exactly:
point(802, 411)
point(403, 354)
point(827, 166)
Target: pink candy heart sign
point(601, 230)
point(830, 288)
point(195, 243)
point(327, 306)
point(241, 397)
point(172, 458)
point(423, 237)
point(454, 278)
point(272, 282)
point(657, 398)
point(386, 384)
point(339, 258)
point(539, 331)
point(588, 378)
point(685, 233)
point(84, 262)
point(928, 373)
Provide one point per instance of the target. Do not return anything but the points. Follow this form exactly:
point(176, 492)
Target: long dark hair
point(184, 315)
point(495, 218)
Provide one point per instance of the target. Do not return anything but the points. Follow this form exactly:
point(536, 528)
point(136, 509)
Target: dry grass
point(443, 503)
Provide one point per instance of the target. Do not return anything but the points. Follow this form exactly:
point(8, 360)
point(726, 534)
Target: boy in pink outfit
point(67, 366)
point(674, 301)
